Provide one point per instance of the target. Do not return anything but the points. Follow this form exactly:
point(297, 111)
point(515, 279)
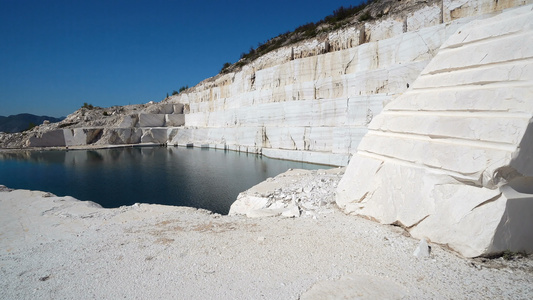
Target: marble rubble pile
point(295, 193)
point(451, 160)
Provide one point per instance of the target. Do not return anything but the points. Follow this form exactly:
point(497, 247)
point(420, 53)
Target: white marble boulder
point(151, 120)
point(154, 135)
point(159, 108)
point(129, 121)
point(81, 136)
point(174, 120)
point(120, 136)
point(54, 138)
point(451, 159)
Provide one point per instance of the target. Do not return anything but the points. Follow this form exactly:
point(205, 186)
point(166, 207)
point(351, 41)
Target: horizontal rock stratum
point(451, 159)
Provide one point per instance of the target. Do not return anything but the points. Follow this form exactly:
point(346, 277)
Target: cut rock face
point(451, 159)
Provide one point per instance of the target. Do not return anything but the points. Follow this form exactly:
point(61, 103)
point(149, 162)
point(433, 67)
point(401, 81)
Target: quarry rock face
point(313, 101)
point(310, 101)
point(451, 159)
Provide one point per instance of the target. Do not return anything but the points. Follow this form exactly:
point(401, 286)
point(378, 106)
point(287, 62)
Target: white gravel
point(61, 248)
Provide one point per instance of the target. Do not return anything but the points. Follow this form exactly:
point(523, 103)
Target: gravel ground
point(61, 248)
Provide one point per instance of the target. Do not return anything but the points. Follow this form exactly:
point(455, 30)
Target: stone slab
point(174, 120)
point(154, 135)
point(55, 138)
point(151, 120)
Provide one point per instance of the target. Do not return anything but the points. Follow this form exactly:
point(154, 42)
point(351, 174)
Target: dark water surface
point(209, 179)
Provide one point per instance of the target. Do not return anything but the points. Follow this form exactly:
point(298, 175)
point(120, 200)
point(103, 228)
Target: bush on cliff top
point(339, 18)
point(87, 106)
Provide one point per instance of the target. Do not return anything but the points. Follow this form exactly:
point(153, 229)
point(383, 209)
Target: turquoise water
point(201, 178)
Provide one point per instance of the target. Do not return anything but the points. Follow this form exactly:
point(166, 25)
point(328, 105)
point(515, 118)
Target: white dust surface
point(61, 248)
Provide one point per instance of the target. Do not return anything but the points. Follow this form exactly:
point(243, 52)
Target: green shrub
point(365, 17)
point(87, 106)
point(225, 68)
point(339, 18)
point(31, 125)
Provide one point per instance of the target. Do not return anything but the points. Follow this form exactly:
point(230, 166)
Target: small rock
point(308, 206)
point(3, 188)
point(423, 249)
point(293, 212)
point(276, 205)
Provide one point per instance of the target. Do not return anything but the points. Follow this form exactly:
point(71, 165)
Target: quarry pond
point(201, 178)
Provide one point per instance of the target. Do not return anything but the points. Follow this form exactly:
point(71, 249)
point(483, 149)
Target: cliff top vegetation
point(338, 19)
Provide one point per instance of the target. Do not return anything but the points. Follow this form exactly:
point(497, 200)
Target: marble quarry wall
point(451, 160)
point(313, 101)
point(151, 126)
point(310, 102)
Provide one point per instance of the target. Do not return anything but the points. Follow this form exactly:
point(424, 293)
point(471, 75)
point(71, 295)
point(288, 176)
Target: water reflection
point(209, 179)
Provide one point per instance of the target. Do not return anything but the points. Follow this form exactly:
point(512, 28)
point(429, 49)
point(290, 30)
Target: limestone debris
point(291, 194)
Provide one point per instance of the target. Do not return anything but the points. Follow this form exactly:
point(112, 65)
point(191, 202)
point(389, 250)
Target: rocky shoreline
point(58, 247)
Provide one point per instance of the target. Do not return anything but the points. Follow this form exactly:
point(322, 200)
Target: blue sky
point(57, 54)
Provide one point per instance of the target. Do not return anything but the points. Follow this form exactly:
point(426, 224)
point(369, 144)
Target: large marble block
point(151, 120)
point(166, 108)
point(54, 138)
point(75, 137)
point(81, 136)
point(451, 160)
point(154, 135)
point(129, 121)
point(120, 136)
point(178, 108)
point(174, 120)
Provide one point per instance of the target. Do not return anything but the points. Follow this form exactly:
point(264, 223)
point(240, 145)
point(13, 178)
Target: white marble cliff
point(451, 160)
point(313, 101)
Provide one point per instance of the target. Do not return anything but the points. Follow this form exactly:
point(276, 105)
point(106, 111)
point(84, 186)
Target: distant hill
point(21, 122)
